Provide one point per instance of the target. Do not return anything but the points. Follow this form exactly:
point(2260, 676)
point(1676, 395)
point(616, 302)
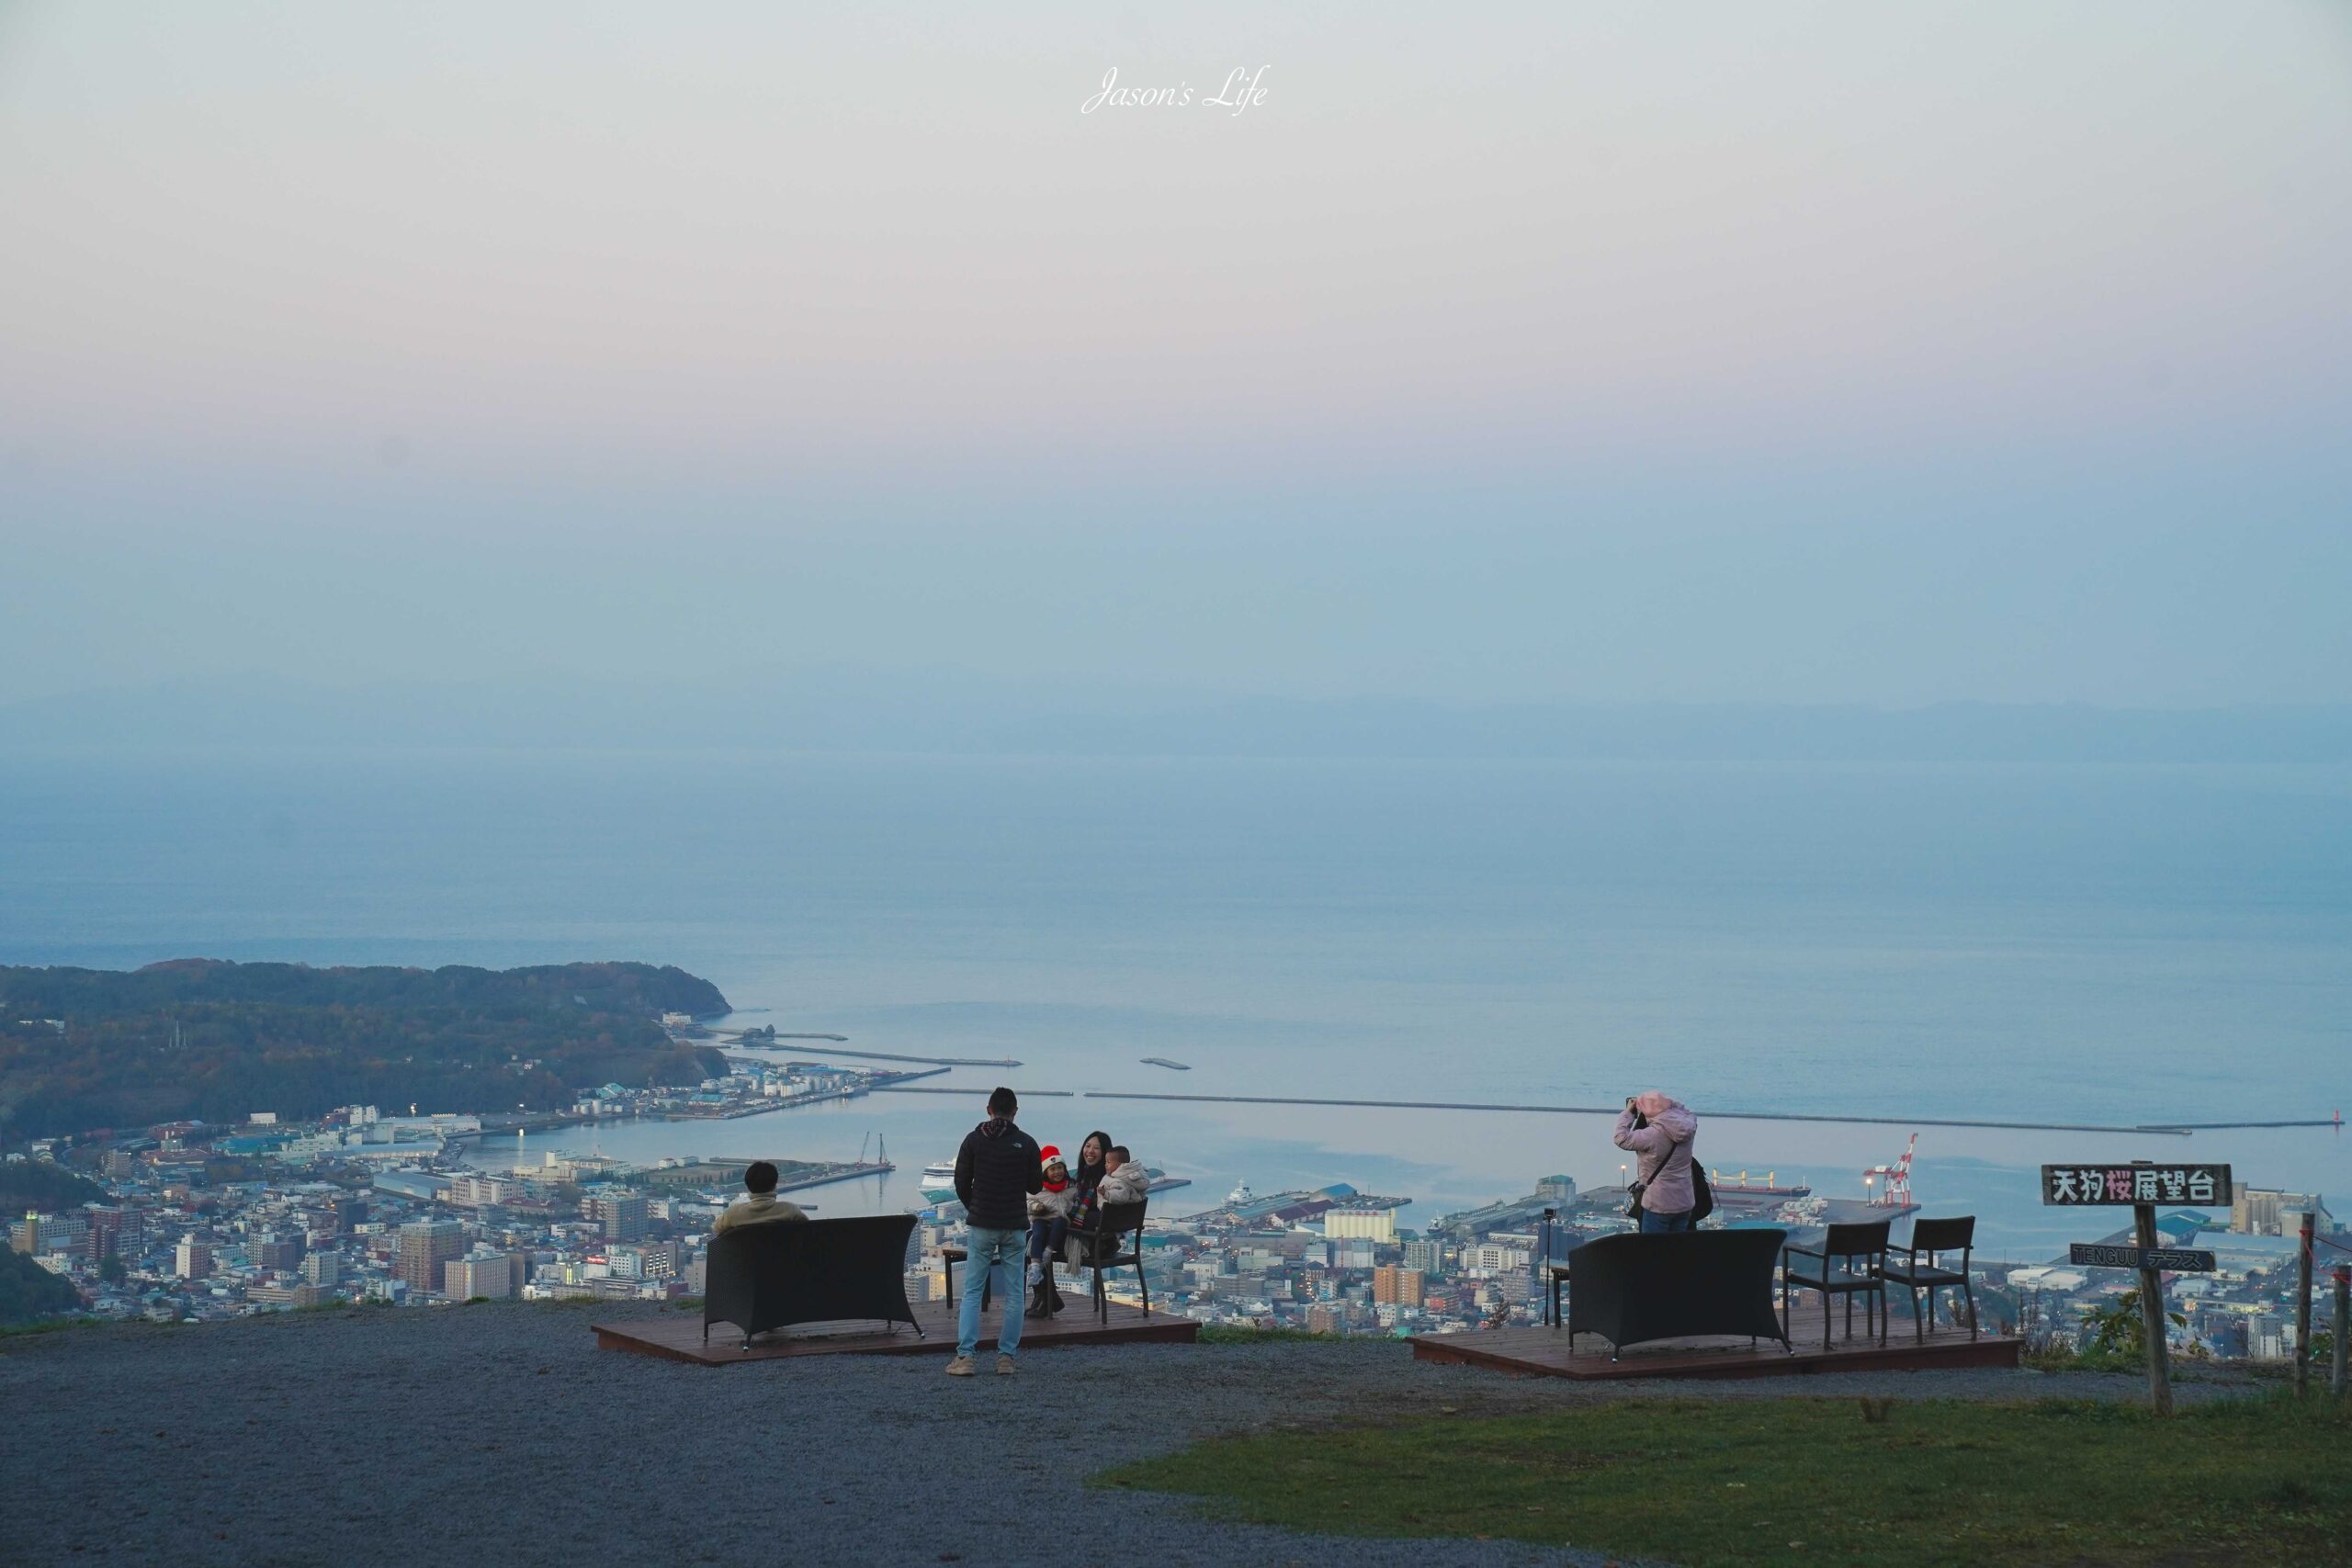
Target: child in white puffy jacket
point(1124, 1180)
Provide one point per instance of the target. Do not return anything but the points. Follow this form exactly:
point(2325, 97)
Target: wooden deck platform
point(1546, 1352)
point(678, 1336)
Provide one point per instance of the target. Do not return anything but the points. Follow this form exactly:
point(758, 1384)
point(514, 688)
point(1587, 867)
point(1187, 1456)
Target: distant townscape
point(195, 1220)
point(201, 1216)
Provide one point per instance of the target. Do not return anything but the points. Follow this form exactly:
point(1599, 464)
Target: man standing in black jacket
point(996, 1170)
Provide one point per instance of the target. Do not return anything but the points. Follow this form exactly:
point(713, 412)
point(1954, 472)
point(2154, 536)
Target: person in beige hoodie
point(760, 1203)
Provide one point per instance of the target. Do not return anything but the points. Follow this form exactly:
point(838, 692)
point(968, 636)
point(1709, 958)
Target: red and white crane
point(1896, 1193)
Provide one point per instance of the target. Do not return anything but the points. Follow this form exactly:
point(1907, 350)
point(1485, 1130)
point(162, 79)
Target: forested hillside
point(27, 1291)
point(83, 1048)
point(29, 1184)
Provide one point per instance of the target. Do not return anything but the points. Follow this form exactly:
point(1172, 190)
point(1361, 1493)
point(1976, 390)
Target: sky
point(1551, 352)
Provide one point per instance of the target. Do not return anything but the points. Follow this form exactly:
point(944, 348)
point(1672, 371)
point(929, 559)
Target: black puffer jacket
point(996, 1170)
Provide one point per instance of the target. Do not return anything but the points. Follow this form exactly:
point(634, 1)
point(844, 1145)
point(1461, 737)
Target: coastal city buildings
point(2256, 1211)
point(488, 1275)
point(620, 1215)
point(426, 1246)
point(189, 1221)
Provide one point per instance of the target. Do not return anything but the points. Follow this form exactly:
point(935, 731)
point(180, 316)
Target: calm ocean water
point(2092, 943)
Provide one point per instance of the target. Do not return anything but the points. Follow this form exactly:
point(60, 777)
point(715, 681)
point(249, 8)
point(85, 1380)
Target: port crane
point(1897, 1193)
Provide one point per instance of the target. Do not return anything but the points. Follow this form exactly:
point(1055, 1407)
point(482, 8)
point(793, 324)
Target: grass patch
point(45, 1326)
point(2135, 1364)
point(15, 1336)
point(2066, 1358)
point(2258, 1480)
point(1242, 1334)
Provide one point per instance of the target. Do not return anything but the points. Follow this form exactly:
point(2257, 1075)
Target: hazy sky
point(1791, 352)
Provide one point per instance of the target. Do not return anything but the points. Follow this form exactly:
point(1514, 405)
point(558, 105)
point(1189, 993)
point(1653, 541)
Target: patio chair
point(1100, 1251)
point(1921, 1267)
point(1851, 1262)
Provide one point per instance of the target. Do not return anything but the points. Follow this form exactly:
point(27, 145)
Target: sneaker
point(961, 1367)
point(1036, 1273)
point(1005, 1367)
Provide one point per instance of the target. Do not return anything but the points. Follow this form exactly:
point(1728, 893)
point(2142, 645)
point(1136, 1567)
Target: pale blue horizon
point(1823, 353)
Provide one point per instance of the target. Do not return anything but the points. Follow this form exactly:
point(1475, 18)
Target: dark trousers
point(1045, 1236)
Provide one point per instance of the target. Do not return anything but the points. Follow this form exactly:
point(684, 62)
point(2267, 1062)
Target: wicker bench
point(1633, 1289)
point(779, 1272)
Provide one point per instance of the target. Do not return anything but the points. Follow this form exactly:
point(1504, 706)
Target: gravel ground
point(500, 1434)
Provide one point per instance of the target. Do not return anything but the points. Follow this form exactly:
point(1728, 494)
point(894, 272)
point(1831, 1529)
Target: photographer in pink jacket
point(1661, 1130)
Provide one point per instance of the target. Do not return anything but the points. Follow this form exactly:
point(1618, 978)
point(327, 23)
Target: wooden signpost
point(2142, 1185)
point(2303, 1306)
point(2337, 1378)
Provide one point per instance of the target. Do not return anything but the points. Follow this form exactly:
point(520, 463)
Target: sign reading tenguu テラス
point(2159, 1259)
point(2199, 1186)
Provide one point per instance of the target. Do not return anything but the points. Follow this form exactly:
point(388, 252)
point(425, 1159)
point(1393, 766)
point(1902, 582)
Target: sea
point(2111, 945)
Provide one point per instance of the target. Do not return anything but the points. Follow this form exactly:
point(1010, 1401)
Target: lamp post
point(1550, 1293)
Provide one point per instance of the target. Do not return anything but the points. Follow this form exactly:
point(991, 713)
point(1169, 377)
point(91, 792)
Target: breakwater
point(896, 1057)
point(979, 1093)
point(2164, 1130)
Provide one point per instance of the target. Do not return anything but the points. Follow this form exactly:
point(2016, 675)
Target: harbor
point(726, 1171)
point(730, 1108)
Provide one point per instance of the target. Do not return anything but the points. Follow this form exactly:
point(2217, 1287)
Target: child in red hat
point(1049, 1222)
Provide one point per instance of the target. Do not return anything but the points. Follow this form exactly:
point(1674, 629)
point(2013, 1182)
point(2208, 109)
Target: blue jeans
point(1046, 1235)
point(1665, 1224)
point(984, 1250)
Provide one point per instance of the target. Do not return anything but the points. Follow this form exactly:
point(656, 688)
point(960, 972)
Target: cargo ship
point(1742, 1189)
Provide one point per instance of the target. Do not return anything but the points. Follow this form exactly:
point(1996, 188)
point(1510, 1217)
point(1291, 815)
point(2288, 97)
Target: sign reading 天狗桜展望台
point(2202, 1186)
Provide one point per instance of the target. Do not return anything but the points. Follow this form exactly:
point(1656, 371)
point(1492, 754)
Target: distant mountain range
point(843, 710)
